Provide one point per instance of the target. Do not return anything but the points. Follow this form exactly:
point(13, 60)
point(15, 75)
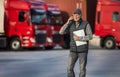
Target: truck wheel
point(109, 43)
point(48, 47)
point(15, 44)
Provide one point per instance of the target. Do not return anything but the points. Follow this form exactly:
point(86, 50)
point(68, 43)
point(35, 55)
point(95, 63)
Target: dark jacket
point(71, 27)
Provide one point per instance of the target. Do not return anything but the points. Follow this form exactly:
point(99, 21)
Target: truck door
point(23, 24)
point(116, 24)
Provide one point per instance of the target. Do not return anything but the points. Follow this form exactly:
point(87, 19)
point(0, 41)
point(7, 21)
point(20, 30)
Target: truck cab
point(18, 30)
point(48, 21)
point(107, 24)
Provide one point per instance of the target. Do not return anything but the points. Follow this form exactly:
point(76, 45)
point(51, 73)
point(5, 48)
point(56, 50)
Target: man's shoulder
point(85, 21)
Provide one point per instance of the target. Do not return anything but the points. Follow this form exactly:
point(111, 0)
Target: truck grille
point(40, 38)
point(57, 38)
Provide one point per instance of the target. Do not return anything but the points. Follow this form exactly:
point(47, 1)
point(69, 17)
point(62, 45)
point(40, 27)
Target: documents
point(80, 33)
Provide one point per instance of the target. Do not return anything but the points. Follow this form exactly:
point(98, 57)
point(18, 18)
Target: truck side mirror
point(25, 16)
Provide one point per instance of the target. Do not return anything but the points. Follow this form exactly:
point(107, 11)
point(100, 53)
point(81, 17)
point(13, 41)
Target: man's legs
point(82, 62)
point(71, 63)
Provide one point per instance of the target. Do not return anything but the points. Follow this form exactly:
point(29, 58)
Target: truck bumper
point(95, 41)
point(28, 42)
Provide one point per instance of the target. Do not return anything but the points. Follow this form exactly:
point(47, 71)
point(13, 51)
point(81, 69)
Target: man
point(80, 52)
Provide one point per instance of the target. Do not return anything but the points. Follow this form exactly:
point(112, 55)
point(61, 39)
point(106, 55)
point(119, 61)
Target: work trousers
point(73, 57)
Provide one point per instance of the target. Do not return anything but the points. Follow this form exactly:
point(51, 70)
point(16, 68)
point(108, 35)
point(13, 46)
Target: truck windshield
point(38, 18)
point(44, 18)
point(54, 18)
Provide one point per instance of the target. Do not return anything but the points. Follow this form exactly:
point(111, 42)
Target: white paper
point(80, 33)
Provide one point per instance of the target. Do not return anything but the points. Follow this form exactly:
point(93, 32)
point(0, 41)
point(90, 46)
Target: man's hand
point(70, 18)
point(76, 38)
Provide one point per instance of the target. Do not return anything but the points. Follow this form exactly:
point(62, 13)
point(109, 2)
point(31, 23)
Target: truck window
point(38, 17)
point(41, 18)
point(21, 16)
point(115, 16)
point(98, 19)
point(54, 19)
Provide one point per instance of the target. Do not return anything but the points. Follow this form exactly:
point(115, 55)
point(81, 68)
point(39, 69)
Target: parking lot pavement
point(40, 63)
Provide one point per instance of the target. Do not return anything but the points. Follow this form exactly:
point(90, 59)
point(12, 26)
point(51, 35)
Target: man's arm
point(88, 35)
point(65, 27)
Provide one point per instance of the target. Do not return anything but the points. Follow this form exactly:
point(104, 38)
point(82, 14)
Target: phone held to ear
point(70, 20)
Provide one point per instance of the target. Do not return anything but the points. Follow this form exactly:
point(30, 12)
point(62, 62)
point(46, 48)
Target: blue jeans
point(73, 57)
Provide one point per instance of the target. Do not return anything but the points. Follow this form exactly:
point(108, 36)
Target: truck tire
point(48, 47)
point(15, 44)
point(110, 43)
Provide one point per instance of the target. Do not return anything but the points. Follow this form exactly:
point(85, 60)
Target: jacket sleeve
point(64, 29)
point(88, 35)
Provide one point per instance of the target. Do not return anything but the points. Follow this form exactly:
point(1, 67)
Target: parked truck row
point(35, 23)
point(47, 21)
point(28, 24)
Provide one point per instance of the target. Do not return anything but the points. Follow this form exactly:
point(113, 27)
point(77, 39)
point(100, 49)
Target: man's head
point(77, 15)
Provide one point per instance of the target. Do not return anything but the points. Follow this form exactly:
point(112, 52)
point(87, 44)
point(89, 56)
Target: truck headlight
point(28, 32)
point(49, 39)
point(32, 40)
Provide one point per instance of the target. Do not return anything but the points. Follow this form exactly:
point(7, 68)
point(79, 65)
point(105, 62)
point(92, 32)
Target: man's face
point(76, 17)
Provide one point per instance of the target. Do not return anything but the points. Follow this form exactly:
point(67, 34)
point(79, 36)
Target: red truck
point(16, 30)
point(107, 24)
point(48, 21)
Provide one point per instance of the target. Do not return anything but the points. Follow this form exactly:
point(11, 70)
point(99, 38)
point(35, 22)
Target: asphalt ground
point(53, 63)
